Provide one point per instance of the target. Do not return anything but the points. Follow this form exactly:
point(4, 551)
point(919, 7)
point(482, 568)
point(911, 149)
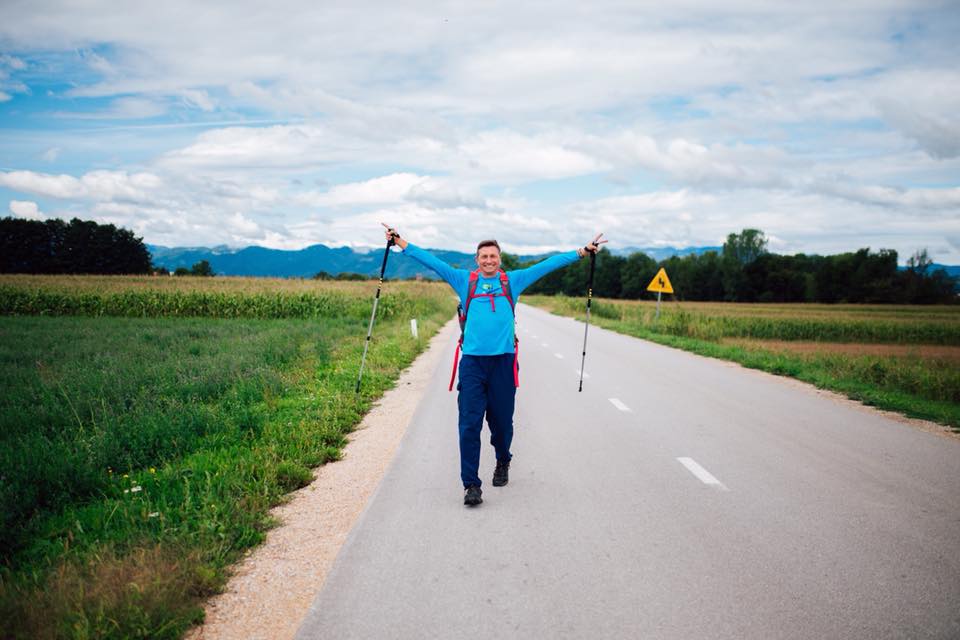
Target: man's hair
point(488, 243)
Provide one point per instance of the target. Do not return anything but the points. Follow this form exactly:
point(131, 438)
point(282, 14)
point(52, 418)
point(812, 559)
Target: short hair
point(488, 243)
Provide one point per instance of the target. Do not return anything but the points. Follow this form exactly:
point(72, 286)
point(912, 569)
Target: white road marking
point(619, 405)
point(544, 345)
point(585, 374)
point(559, 355)
point(702, 474)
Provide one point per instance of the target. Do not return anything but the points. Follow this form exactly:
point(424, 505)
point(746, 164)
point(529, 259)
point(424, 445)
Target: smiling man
point(489, 373)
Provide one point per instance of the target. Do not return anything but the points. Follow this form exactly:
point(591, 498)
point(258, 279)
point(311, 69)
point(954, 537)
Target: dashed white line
point(702, 474)
point(585, 374)
point(559, 355)
point(619, 405)
point(544, 345)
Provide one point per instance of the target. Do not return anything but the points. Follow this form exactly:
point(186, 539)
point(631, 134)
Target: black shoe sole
point(500, 483)
point(472, 502)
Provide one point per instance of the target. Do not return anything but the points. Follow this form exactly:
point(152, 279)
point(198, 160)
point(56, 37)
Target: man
point(488, 368)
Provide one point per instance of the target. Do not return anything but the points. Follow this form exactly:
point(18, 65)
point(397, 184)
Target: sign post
point(660, 284)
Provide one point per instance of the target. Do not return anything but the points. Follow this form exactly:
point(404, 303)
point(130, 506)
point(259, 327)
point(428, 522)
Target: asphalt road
point(675, 497)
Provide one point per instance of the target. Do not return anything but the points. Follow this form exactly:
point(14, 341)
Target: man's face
point(488, 259)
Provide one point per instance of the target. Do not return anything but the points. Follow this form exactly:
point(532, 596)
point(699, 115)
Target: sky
point(830, 126)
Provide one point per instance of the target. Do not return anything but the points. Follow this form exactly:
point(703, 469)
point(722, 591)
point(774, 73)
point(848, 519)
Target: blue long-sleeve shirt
point(489, 330)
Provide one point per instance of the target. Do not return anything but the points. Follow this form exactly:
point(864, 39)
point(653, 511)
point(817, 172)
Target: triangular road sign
point(660, 282)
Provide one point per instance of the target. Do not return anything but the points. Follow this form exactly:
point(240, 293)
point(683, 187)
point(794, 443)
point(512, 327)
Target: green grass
point(139, 456)
point(927, 388)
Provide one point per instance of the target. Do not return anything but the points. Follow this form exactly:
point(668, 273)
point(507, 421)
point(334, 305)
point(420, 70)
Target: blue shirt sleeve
point(456, 278)
point(523, 278)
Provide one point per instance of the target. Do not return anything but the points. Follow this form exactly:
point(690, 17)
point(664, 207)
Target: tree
point(738, 251)
point(509, 261)
point(919, 262)
point(635, 274)
point(202, 269)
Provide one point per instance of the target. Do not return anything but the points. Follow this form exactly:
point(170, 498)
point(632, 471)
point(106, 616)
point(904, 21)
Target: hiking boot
point(501, 475)
point(471, 497)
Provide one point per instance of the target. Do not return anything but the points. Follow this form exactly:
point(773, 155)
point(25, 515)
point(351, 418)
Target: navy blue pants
point(486, 389)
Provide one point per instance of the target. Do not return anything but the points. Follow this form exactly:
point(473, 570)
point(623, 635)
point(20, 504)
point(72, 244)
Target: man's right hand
point(391, 233)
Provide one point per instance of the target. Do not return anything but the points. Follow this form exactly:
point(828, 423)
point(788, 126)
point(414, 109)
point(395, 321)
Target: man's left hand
point(593, 246)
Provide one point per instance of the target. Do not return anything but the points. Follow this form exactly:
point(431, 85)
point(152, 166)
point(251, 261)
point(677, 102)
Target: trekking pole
point(586, 326)
point(373, 314)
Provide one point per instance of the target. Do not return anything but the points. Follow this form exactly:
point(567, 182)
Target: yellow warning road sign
point(660, 282)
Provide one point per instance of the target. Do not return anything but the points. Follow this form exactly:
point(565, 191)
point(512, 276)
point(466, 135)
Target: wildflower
point(153, 515)
point(136, 489)
point(152, 470)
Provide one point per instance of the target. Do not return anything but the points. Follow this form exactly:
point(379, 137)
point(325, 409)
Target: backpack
point(462, 315)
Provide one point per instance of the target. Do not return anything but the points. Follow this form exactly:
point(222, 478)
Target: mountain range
point(305, 263)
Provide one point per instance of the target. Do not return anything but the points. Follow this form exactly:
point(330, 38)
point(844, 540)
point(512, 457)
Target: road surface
point(675, 497)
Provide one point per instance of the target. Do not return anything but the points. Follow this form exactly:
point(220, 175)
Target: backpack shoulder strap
point(471, 289)
point(505, 288)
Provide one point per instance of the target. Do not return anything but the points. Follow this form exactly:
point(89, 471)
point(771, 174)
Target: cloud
point(26, 209)
point(917, 201)
point(12, 62)
point(923, 105)
point(95, 185)
point(392, 188)
point(129, 108)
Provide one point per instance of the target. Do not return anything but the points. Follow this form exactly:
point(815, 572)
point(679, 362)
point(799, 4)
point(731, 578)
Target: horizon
point(537, 125)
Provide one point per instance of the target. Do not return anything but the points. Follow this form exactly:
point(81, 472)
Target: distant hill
point(953, 271)
point(662, 253)
point(304, 263)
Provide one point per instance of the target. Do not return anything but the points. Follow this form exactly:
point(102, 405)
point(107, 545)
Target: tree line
point(745, 271)
point(78, 247)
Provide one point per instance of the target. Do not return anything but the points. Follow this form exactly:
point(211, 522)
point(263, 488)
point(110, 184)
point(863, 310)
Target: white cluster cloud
point(26, 209)
point(96, 185)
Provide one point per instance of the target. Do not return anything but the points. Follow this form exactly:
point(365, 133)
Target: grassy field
point(142, 444)
point(901, 358)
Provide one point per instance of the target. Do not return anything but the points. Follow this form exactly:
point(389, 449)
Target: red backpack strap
point(505, 289)
point(462, 314)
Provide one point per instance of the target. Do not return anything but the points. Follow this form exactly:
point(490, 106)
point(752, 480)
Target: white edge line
point(702, 474)
point(559, 355)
